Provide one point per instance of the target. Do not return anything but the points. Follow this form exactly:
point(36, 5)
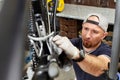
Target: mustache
point(86, 39)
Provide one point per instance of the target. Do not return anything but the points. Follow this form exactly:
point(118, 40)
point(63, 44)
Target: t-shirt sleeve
point(105, 50)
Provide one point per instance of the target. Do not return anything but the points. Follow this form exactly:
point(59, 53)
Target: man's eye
point(94, 31)
point(86, 29)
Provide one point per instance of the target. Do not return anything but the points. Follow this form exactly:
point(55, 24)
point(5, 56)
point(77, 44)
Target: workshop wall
point(97, 3)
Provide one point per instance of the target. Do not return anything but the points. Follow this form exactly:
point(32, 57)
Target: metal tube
point(12, 23)
point(115, 44)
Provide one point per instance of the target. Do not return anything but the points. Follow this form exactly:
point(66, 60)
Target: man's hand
point(64, 43)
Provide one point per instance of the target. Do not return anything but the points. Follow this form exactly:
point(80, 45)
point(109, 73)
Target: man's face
point(92, 34)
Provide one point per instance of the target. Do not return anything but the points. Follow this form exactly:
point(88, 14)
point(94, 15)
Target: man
point(90, 56)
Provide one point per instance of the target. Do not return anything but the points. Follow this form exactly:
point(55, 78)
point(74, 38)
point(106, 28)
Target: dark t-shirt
point(102, 49)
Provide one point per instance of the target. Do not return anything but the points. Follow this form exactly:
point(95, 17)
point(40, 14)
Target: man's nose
point(88, 34)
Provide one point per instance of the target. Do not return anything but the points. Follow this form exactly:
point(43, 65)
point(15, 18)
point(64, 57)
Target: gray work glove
point(64, 43)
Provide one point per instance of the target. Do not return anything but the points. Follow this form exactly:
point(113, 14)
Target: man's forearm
point(94, 65)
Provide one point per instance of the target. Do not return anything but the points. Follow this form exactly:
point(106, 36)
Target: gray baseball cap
point(103, 22)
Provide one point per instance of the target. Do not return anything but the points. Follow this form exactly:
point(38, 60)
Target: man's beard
point(87, 45)
point(90, 45)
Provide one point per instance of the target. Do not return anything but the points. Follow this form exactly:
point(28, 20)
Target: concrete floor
point(63, 75)
point(66, 75)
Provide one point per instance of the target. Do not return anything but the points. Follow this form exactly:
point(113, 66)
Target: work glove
point(64, 43)
point(55, 47)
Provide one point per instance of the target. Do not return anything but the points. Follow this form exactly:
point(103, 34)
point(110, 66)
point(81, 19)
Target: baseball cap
point(103, 22)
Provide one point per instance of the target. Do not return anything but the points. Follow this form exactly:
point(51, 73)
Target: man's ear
point(105, 34)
